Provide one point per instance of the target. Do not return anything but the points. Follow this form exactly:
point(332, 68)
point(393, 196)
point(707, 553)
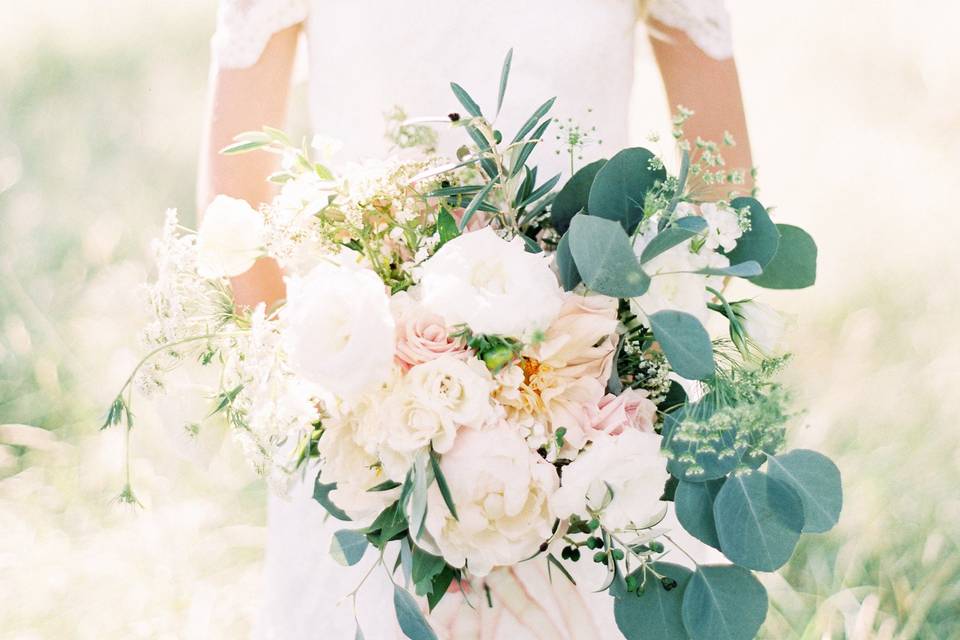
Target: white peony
point(491, 284)
point(764, 326)
point(230, 238)
point(630, 466)
point(339, 331)
point(723, 227)
point(501, 490)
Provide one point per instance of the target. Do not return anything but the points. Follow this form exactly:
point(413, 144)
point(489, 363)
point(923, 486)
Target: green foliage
point(504, 75)
point(816, 480)
point(651, 610)
point(746, 269)
point(685, 343)
point(442, 484)
point(468, 103)
point(474, 204)
point(321, 493)
point(411, 619)
point(620, 187)
point(723, 603)
point(759, 520)
point(760, 242)
point(572, 198)
point(680, 230)
point(446, 228)
point(694, 507)
point(566, 265)
point(604, 257)
point(347, 547)
point(391, 524)
point(795, 264)
point(697, 450)
point(424, 568)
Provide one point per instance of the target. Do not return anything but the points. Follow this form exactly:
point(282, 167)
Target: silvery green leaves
point(621, 185)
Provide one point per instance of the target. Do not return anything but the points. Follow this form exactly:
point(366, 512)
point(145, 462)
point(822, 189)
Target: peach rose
point(632, 409)
point(422, 336)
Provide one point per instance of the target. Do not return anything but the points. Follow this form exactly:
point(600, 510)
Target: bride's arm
point(708, 86)
point(239, 100)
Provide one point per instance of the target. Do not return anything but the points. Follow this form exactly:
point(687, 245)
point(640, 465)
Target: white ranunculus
point(764, 326)
point(723, 227)
point(491, 284)
point(230, 238)
point(501, 490)
point(630, 465)
point(673, 285)
point(339, 332)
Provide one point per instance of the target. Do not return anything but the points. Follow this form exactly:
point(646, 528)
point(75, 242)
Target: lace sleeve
point(705, 21)
point(245, 26)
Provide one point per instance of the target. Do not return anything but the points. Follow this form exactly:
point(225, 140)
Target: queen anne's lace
point(705, 21)
point(245, 26)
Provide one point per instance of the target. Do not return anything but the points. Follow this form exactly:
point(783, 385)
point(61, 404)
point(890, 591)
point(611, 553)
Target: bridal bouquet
point(486, 370)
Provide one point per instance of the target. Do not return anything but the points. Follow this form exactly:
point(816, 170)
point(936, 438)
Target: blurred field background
point(853, 110)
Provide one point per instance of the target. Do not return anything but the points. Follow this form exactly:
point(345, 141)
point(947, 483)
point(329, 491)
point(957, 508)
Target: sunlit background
point(853, 110)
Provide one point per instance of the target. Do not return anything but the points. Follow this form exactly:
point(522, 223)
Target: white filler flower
point(339, 332)
point(501, 490)
point(491, 284)
point(230, 238)
point(620, 477)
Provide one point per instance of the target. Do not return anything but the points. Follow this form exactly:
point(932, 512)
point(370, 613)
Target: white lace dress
point(365, 57)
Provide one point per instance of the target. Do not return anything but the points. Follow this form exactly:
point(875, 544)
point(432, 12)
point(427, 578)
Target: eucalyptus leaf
point(654, 612)
point(795, 264)
point(347, 547)
point(746, 269)
point(723, 603)
point(817, 481)
point(684, 341)
point(680, 231)
point(761, 241)
point(567, 268)
point(621, 185)
point(694, 507)
point(759, 520)
point(412, 621)
point(710, 458)
point(604, 257)
point(572, 198)
point(321, 493)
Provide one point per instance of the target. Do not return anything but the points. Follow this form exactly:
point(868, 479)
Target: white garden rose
point(764, 326)
point(491, 284)
point(630, 466)
point(230, 238)
point(339, 332)
point(501, 490)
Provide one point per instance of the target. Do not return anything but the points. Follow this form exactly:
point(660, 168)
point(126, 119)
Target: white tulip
point(230, 238)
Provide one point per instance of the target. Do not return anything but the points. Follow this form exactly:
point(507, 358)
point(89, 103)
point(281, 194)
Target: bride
point(366, 58)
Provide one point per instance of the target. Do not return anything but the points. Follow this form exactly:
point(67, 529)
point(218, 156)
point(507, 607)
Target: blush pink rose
point(422, 336)
point(632, 409)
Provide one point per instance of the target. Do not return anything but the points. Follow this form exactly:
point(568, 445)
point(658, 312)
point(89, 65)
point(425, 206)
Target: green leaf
point(242, 147)
point(680, 231)
point(681, 182)
point(569, 276)
point(761, 242)
point(321, 493)
point(425, 567)
point(389, 525)
point(447, 192)
point(114, 413)
point(504, 74)
point(604, 257)
point(621, 185)
point(468, 103)
point(759, 520)
point(387, 485)
point(742, 270)
point(441, 582)
point(572, 198)
point(347, 547)
point(795, 264)
point(540, 191)
point(527, 147)
point(723, 603)
point(694, 506)
point(552, 561)
point(654, 612)
point(817, 481)
point(446, 227)
point(533, 120)
point(685, 343)
point(474, 203)
point(442, 483)
point(418, 499)
point(412, 622)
